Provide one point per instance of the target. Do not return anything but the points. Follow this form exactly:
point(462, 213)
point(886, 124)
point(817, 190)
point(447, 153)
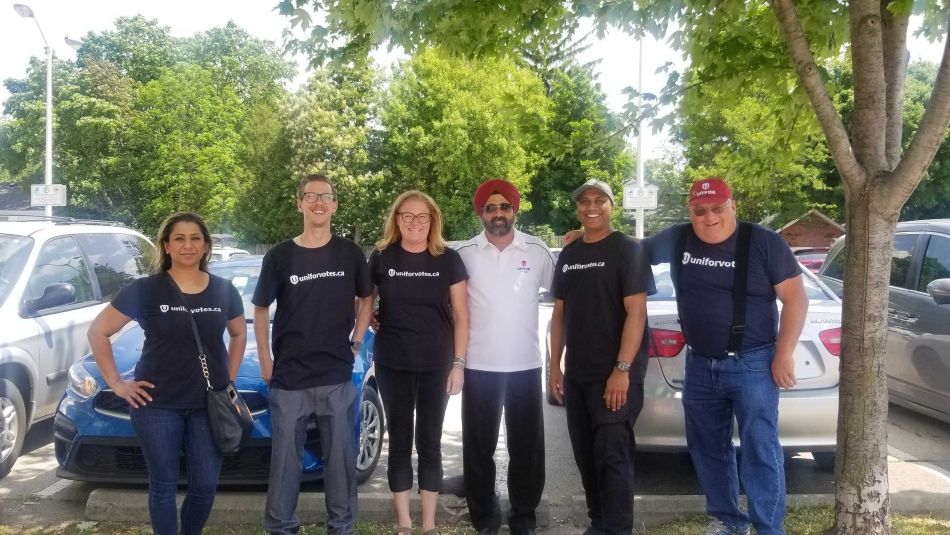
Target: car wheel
point(372, 428)
point(12, 425)
point(825, 460)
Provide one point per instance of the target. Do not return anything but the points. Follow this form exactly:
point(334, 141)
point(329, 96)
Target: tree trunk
point(861, 493)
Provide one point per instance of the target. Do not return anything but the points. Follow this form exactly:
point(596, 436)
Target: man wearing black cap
point(736, 360)
point(506, 268)
point(600, 289)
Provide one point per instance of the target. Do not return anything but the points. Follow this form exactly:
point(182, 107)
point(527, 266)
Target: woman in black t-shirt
point(420, 346)
point(167, 391)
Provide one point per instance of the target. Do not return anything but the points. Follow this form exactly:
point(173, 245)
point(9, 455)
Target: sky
point(20, 39)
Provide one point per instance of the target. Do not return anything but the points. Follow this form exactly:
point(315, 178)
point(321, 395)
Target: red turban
point(490, 187)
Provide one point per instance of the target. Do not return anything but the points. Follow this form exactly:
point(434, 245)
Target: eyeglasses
point(700, 211)
point(492, 208)
point(312, 197)
point(408, 217)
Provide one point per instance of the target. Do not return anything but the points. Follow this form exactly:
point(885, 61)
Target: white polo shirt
point(503, 301)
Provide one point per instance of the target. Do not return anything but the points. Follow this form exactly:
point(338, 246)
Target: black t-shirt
point(315, 289)
point(415, 312)
point(592, 279)
point(706, 282)
point(170, 354)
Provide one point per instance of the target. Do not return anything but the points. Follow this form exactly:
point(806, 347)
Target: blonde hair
point(391, 234)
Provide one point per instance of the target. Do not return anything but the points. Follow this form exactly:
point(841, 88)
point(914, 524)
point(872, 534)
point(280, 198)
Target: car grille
point(109, 404)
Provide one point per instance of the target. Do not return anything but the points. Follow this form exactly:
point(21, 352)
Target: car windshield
point(244, 278)
point(14, 251)
point(665, 292)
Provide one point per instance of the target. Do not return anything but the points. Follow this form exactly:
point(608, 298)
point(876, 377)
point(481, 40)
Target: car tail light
point(832, 340)
point(666, 343)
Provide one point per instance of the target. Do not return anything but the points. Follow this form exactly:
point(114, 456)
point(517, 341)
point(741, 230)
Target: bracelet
point(458, 363)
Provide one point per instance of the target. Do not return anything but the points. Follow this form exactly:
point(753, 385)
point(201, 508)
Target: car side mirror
point(54, 295)
point(939, 290)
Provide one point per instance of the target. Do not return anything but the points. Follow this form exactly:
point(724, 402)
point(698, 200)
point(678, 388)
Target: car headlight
point(81, 382)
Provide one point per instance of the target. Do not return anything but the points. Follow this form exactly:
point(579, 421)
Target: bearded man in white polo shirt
point(506, 268)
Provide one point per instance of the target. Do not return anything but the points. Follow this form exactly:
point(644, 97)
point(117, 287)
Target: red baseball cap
point(711, 189)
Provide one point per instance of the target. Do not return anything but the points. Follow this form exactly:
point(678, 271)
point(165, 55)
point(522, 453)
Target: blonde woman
point(420, 346)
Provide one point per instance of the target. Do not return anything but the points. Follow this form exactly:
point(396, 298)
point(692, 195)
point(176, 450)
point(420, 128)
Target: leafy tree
point(451, 123)
point(138, 47)
point(735, 43)
point(185, 140)
point(587, 146)
point(331, 131)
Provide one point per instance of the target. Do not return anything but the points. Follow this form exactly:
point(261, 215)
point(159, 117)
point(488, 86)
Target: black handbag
point(230, 418)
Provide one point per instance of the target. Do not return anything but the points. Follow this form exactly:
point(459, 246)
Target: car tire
point(825, 460)
point(372, 429)
point(12, 425)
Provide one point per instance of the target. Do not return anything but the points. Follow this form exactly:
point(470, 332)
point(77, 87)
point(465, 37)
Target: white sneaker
point(716, 527)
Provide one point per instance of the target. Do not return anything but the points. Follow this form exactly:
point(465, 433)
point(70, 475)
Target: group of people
point(466, 320)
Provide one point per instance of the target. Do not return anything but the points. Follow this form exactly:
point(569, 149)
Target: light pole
point(25, 11)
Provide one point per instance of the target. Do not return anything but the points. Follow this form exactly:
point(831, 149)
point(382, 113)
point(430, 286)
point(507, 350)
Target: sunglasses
point(700, 211)
point(492, 208)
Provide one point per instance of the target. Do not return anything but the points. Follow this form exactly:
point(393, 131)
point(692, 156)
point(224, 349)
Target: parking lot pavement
point(919, 479)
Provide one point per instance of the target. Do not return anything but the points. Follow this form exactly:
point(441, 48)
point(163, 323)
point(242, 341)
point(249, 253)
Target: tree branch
point(869, 120)
point(896, 58)
point(929, 136)
point(851, 171)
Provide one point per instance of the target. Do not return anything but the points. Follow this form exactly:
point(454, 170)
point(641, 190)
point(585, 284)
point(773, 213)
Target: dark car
point(95, 441)
point(918, 314)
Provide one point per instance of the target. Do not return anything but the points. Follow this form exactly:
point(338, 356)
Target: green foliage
point(185, 147)
point(138, 47)
point(451, 123)
point(331, 131)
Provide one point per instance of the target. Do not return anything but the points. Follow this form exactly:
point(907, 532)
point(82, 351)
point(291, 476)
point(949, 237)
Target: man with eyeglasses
point(727, 276)
point(315, 277)
point(506, 268)
point(600, 289)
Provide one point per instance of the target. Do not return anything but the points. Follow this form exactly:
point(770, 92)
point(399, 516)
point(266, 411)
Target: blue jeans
point(164, 434)
point(716, 390)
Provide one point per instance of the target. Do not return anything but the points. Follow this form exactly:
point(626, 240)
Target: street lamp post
point(25, 11)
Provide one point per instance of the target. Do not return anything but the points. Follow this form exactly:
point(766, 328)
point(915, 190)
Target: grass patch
point(804, 521)
point(812, 521)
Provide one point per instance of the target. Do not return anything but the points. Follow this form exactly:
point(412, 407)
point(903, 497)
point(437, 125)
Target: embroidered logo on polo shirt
point(294, 279)
point(689, 259)
point(590, 265)
point(394, 273)
point(524, 267)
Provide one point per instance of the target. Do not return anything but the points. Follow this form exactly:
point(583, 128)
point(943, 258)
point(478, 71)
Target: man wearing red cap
point(727, 276)
point(506, 268)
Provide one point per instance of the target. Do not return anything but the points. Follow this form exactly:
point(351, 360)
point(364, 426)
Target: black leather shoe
point(488, 531)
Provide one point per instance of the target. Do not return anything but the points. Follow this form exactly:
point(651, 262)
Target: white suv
point(56, 275)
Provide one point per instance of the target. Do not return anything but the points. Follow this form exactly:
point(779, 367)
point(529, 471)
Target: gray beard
point(496, 230)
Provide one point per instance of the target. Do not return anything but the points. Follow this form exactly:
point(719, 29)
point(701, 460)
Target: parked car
point(223, 254)
point(94, 439)
point(223, 240)
point(56, 274)
point(811, 257)
point(918, 314)
point(808, 413)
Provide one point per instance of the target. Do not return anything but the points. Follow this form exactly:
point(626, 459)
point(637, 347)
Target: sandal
point(433, 531)
point(402, 530)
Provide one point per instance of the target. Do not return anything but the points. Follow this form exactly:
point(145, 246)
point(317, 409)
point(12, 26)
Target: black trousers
point(484, 396)
point(414, 398)
point(604, 448)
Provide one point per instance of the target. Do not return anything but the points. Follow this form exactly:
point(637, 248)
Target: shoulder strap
point(194, 329)
point(740, 287)
point(676, 267)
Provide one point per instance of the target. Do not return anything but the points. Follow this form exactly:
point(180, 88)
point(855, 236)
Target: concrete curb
point(553, 515)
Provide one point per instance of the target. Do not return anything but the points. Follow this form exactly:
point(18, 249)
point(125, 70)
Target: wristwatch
point(623, 366)
point(356, 344)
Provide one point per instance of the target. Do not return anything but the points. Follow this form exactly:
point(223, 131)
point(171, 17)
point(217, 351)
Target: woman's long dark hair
point(163, 260)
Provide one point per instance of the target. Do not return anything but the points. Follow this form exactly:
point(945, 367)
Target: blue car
point(95, 441)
